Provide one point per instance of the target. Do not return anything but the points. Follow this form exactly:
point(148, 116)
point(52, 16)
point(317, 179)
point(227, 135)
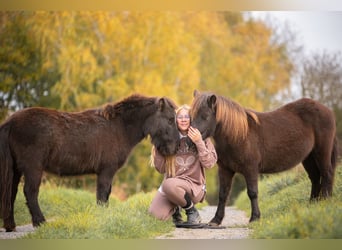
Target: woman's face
point(183, 121)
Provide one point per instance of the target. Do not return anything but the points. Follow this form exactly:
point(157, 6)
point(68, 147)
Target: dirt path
point(235, 221)
point(21, 231)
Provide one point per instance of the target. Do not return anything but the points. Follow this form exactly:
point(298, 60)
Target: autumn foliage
point(74, 60)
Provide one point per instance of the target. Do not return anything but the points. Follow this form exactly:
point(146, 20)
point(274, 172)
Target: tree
point(249, 66)
point(23, 82)
point(321, 79)
point(74, 60)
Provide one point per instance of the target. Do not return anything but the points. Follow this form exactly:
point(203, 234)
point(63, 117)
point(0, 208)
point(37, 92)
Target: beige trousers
point(170, 195)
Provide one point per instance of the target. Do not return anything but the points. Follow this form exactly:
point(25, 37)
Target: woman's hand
point(194, 134)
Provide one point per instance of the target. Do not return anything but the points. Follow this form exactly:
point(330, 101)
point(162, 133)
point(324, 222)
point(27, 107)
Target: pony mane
point(126, 106)
point(232, 117)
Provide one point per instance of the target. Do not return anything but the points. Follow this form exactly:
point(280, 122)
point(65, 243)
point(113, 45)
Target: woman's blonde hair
point(185, 107)
point(170, 166)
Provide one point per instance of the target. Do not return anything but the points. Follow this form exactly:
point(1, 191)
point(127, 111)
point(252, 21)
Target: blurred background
point(75, 60)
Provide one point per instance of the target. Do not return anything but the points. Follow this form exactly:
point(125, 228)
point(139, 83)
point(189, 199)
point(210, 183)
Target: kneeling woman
point(184, 182)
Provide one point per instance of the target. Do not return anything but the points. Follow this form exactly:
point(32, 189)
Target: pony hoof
point(8, 230)
point(252, 219)
point(102, 203)
point(38, 223)
point(214, 222)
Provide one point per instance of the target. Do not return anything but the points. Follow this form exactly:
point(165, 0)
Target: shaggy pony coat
point(250, 142)
point(96, 141)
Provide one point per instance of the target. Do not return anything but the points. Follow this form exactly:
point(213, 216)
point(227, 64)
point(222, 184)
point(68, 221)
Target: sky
point(315, 30)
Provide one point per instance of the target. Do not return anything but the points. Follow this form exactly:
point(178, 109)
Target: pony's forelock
point(196, 104)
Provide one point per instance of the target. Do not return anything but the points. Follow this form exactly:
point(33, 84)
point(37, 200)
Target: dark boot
point(177, 216)
point(191, 211)
point(193, 216)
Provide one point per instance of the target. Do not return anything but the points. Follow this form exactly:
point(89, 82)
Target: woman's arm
point(206, 150)
point(206, 153)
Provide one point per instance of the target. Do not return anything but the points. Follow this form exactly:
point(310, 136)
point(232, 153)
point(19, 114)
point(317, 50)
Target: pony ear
point(212, 102)
point(161, 104)
point(108, 112)
point(196, 93)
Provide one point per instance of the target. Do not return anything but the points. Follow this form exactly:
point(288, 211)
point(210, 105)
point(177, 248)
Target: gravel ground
point(235, 221)
point(21, 231)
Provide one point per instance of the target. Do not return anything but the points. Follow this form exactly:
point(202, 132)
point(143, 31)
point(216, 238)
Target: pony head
point(145, 116)
point(162, 127)
point(215, 115)
point(203, 113)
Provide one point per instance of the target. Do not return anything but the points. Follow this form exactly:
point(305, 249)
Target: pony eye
point(171, 120)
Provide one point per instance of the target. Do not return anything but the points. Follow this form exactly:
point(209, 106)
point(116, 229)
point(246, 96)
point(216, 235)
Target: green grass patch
point(73, 214)
point(55, 202)
point(287, 213)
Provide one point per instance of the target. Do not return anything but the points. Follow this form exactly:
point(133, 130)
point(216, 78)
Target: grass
point(287, 213)
point(73, 214)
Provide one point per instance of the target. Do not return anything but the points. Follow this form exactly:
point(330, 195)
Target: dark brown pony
point(250, 143)
point(95, 141)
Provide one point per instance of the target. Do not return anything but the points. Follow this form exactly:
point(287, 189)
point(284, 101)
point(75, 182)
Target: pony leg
point(31, 190)
point(312, 170)
point(104, 185)
point(325, 155)
point(252, 192)
point(225, 180)
point(327, 176)
point(9, 222)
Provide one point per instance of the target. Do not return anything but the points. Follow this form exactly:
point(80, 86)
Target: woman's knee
point(154, 212)
point(161, 208)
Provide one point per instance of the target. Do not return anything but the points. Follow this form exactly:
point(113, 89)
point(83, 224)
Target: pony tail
point(334, 153)
point(6, 173)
